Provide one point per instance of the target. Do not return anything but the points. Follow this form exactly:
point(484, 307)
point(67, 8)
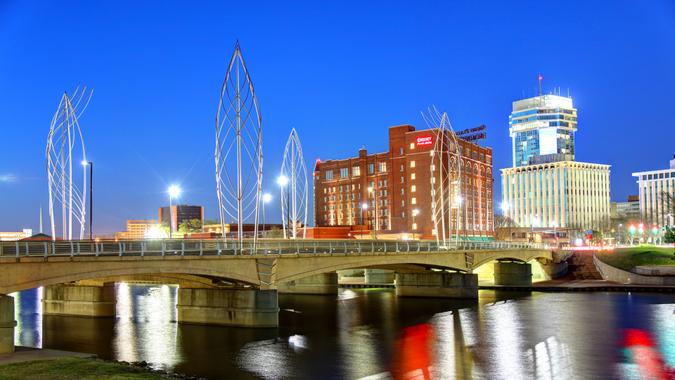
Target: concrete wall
point(7, 324)
point(507, 273)
point(437, 284)
point(378, 276)
point(326, 283)
point(80, 300)
point(229, 307)
point(621, 276)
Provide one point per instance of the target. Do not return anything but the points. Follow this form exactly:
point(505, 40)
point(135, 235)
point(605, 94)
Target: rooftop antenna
point(540, 78)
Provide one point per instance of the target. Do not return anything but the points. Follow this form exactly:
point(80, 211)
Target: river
point(370, 333)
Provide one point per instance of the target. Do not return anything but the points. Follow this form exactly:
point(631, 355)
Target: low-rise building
point(14, 236)
point(628, 210)
point(138, 229)
point(657, 194)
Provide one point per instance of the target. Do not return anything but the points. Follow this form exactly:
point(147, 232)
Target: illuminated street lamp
point(415, 212)
point(371, 190)
point(174, 192)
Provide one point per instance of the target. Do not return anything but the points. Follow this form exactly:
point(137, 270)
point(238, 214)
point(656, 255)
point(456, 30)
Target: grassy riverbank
point(629, 258)
point(75, 368)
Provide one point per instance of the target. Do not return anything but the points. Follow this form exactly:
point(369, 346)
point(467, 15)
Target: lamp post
point(267, 197)
point(377, 219)
point(619, 237)
point(415, 212)
point(364, 207)
point(174, 192)
point(86, 163)
point(282, 181)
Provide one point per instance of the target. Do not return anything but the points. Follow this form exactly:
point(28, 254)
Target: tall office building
point(180, 213)
point(546, 187)
point(657, 192)
point(542, 130)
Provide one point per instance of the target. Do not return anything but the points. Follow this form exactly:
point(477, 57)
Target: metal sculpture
point(238, 154)
point(446, 178)
point(65, 153)
point(294, 188)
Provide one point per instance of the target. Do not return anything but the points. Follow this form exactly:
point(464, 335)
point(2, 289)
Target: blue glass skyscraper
point(542, 130)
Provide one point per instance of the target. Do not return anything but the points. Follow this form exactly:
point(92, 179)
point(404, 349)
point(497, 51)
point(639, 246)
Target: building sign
point(424, 140)
point(473, 134)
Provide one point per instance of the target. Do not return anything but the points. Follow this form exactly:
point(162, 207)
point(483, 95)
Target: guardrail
point(214, 247)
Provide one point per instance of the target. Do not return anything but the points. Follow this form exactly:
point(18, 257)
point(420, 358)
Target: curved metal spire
point(445, 176)
point(294, 188)
point(238, 154)
point(65, 153)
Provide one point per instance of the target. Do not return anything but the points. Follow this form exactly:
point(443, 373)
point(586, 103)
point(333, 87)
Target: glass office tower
point(542, 130)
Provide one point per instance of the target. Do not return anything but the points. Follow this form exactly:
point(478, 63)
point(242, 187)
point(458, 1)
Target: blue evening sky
point(339, 72)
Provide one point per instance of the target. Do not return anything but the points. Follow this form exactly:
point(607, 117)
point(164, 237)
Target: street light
point(174, 192)
point(266, 198)
point(364, 207)
point(371, 189)
point(86, 163)
point(415, 212)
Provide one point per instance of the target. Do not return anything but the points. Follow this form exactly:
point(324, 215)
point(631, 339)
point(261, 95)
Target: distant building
point(546, 187)
point(177, 214)
point(566, 194)
point(629, 210)
point(396, 187)
point(137, 229)
point(657, 191)
point(14, 236)
point(542, 130)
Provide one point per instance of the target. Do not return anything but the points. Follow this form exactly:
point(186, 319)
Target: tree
point(190, 225)
point(669, 235)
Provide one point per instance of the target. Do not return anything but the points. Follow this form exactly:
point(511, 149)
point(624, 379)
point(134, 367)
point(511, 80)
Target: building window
point(413, 188)
point(371, 168)
point(412, 164)
point(382, 167)
point(414, 226)
point(344, 173)
point(329, 175)
point(401, 151)
point(412, 175)
point(356, 171)
point(402, 167)
point(413, 200)
point(412, 146)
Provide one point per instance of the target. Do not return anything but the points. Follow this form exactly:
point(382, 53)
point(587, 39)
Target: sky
point(339, 72)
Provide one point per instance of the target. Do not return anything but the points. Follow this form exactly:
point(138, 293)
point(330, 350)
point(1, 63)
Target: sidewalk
point(25, 354)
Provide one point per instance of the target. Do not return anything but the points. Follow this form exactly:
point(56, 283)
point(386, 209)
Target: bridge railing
point(213, 247)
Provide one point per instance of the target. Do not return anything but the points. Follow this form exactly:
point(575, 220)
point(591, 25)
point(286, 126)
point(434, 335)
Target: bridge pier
point(325, 283)
point(436, 284)
point(79, 300)
point(7, 324)
point(379, 276)
point(228, 307)
point(512, 273)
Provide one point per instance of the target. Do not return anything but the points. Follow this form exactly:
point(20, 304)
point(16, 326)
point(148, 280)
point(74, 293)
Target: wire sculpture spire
point(64, 153)
point(446, 178)
point(294, 188)
point(238, 154)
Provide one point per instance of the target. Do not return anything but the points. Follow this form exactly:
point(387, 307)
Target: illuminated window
point(412, 175)
point(329, 174)
point(371, 168)
point(382, 167)
point(413, 200)
point(414, 226)
point(412, 164)
point(344, 173)
point(413, 188)
point(356, 171)
point(412, 145)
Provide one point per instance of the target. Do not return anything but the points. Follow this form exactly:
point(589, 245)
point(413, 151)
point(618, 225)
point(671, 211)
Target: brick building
point(396, 186)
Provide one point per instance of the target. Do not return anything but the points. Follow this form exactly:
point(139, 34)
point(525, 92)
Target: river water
point(372, 334)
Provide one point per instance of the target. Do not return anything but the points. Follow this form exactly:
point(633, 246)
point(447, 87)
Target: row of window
point(356, 171)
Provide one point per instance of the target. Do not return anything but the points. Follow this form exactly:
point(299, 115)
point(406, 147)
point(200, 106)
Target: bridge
point(222, 283)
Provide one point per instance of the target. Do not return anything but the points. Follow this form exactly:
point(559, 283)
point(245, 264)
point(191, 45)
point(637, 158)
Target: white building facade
point(657, 190)
point(563, 194)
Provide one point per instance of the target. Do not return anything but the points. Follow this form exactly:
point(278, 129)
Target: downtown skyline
point(151, 120)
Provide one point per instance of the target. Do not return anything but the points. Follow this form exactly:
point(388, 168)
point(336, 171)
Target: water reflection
point(367, 334)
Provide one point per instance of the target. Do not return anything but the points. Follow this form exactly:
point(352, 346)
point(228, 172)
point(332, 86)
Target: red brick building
point(396, 183)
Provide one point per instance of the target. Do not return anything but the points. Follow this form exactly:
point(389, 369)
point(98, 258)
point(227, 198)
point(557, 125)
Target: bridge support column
point(326, 283)
point(79, 300)
point(7, 324)
point(437, 284)
point(228, 307)
point(379, 276)
point(513, 274)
